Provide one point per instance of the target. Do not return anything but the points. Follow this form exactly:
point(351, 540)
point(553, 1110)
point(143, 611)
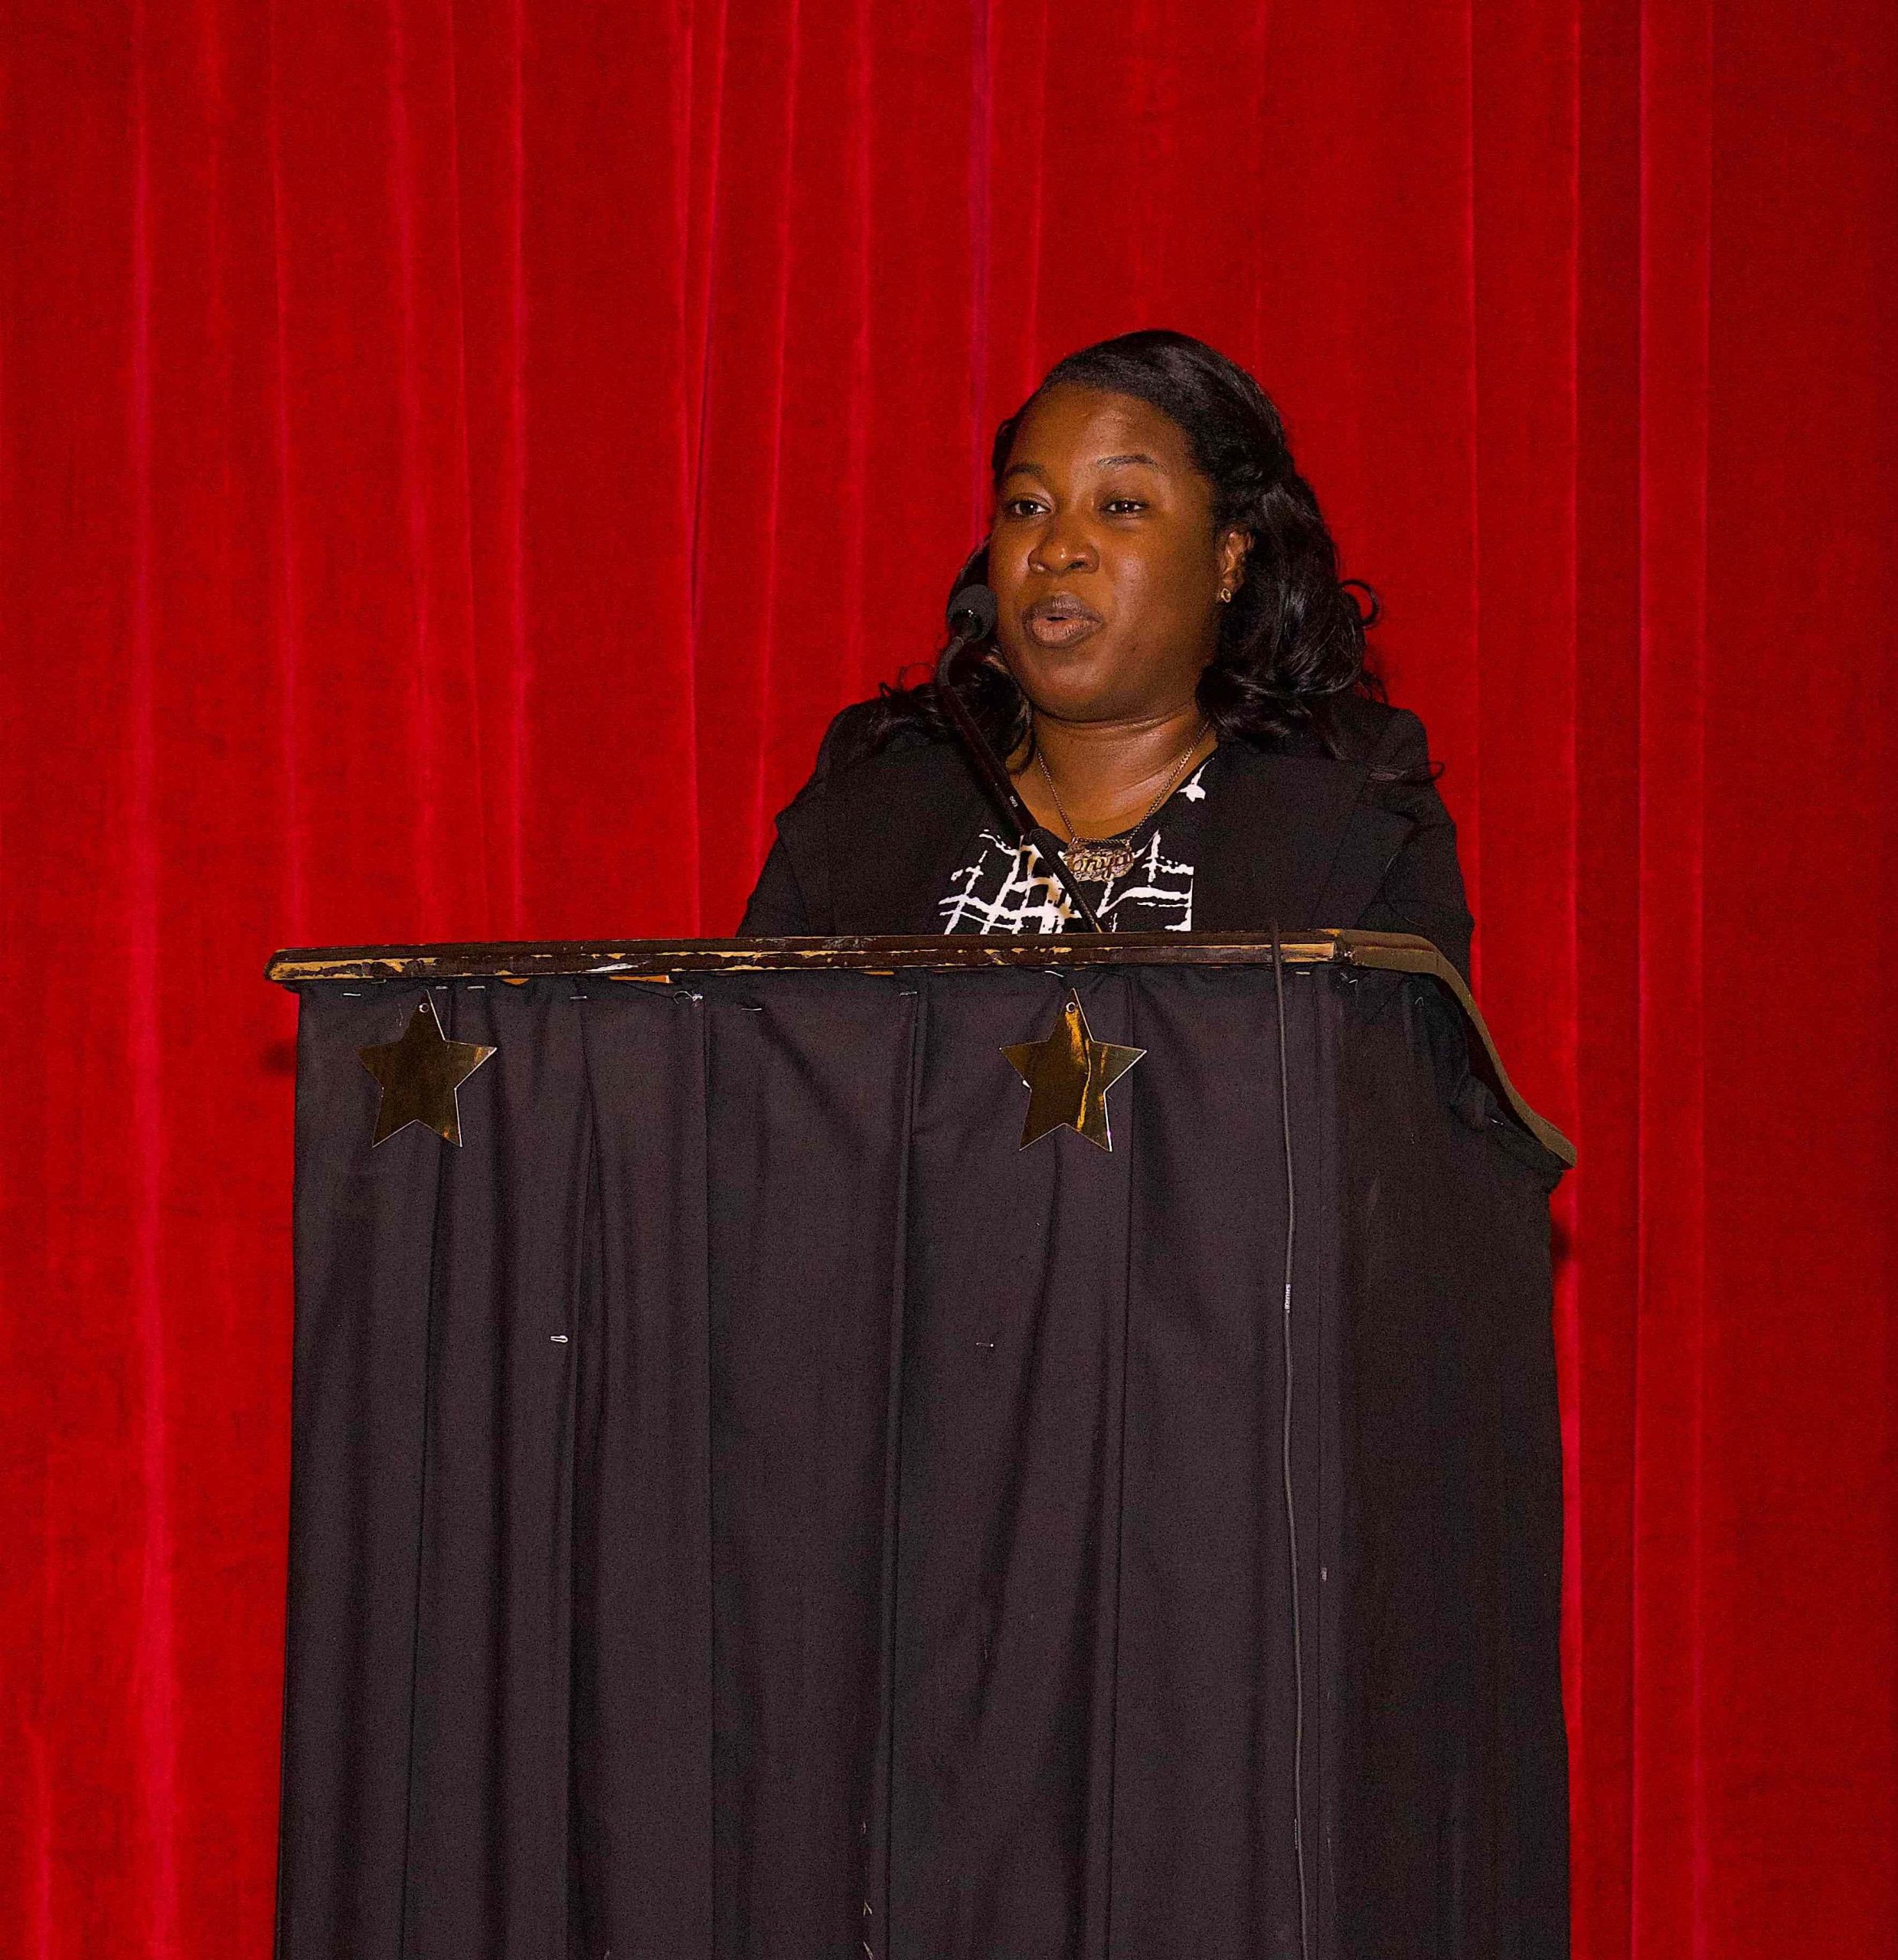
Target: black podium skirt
point(745, 1505)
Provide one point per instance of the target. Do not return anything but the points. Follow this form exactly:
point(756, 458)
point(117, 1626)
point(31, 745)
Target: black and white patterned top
point(1005, 887)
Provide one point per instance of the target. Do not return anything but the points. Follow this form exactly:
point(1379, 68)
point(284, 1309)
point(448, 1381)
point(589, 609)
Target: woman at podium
point(1176, 680)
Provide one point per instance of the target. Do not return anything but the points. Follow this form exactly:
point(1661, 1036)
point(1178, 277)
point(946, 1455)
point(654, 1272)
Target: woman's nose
point(1060, 548)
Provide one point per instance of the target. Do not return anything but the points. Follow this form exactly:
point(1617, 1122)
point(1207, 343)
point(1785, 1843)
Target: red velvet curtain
point(454, 459)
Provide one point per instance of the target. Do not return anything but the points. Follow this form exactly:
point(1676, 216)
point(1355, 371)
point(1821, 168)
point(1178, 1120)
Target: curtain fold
point(453, 460)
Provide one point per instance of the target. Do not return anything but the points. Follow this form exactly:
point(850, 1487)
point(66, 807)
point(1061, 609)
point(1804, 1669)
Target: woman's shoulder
point(1364, 731)
point(1387, 739)
point(879, 821)
point(863, 733)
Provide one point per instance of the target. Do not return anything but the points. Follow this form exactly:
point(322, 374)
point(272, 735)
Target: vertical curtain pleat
point(154, 1655)
point(1599, 1227)
point(803, 1273)
point(642, 1689)
point(454, 461)
point(1668, 1780)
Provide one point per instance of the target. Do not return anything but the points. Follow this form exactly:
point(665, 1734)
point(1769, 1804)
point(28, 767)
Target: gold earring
point(1226, 595)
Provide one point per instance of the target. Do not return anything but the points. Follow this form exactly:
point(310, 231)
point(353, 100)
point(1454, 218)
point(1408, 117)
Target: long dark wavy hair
point(1290, 643)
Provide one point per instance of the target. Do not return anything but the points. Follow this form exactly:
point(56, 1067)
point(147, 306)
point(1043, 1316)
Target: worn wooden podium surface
point(927, 1447)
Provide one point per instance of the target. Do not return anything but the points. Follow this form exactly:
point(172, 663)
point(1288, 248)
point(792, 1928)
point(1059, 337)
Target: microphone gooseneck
point(972, 614)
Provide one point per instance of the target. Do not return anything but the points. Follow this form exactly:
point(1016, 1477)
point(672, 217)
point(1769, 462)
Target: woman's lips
point(1059, 622)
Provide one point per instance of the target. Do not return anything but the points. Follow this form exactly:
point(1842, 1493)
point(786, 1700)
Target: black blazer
point(1291, 836)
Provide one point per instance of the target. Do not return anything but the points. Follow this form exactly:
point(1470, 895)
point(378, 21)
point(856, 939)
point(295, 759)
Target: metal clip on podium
point(922, 1448)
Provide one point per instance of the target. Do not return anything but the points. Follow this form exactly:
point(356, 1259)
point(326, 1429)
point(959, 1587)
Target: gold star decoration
point(1068, 1076)
point(420, 1075)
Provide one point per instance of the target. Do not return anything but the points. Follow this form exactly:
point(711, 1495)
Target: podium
point(747, 1500)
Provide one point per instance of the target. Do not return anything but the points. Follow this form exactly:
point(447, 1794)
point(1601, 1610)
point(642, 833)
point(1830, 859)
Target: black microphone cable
point(1291, 1506)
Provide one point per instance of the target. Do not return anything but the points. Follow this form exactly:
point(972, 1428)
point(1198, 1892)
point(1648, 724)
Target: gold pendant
point(1099, 863)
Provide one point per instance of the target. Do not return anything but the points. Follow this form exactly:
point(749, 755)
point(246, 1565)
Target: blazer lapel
point(1288, 839)
point(898, 827)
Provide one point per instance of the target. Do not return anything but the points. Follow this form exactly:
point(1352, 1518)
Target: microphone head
point(972, 613)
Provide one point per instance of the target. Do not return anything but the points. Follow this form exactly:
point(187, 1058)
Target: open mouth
point(1059, 621)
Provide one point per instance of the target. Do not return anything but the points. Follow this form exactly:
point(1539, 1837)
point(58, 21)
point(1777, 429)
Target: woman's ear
point(1233, 548)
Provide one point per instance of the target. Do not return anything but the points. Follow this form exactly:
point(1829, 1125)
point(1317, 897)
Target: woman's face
point(1104, 561)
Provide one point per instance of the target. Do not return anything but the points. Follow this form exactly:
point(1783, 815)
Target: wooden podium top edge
point(639, 959)
point(650, 960)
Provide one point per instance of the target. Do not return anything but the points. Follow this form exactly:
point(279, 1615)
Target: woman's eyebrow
point(1100, 462)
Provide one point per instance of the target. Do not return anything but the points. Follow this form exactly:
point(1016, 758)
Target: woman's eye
point(1124, 506)
point(1020, 507)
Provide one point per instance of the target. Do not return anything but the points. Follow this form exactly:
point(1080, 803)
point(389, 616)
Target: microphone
point(972, 614)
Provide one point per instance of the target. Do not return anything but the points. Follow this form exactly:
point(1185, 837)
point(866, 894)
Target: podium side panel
point(1453, 1826)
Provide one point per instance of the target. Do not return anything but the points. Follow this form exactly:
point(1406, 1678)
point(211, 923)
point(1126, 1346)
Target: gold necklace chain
point(1092, 860)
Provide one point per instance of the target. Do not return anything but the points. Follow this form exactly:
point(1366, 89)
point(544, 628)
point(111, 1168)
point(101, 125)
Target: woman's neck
point(1109, 773)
